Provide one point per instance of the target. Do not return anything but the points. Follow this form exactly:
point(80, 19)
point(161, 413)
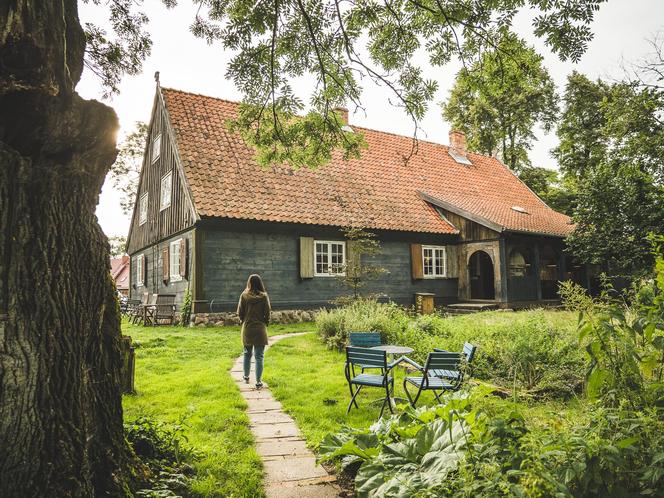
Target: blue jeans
point(259, 351)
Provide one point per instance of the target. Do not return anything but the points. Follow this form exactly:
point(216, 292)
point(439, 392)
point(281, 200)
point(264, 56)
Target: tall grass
point(537, 349)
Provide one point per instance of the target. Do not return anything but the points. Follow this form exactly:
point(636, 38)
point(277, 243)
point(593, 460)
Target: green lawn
point(182, 373)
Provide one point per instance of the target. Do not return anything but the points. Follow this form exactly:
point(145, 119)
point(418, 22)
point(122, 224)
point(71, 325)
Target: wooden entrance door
point(481, 276)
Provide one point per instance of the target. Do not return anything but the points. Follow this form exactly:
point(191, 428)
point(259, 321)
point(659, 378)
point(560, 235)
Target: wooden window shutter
point(416, 261)
point(452, 261)
point(183, 257)
point(145, 270)
point(165, 266)
point(306, 257)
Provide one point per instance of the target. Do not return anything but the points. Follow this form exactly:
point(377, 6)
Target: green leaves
point(611, 144)
point(500, 99)
point(337, 44)
point(625, 346)
point(408, 453)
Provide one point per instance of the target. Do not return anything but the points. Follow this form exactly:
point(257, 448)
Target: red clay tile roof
point(120, 272)
point(377, 191)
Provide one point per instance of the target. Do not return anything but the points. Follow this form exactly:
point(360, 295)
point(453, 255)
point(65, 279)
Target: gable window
point(143, 209)
point(434, 262)
point(140, 270)
point(175, 260)
point(165, 197)
point(156, 147)
point(330, 258)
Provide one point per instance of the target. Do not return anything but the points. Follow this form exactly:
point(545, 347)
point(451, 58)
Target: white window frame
point(174, 262)
point(164, 203)
point(329, 244)
point(435, 250)
point(143, 219)
point(140, 272)
point(156, 147)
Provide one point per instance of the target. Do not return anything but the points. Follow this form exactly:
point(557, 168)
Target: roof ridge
point(349, 124)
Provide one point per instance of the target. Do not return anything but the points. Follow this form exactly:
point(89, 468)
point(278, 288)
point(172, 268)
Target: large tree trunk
point(60, 403)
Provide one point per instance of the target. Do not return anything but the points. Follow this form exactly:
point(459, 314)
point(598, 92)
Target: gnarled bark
point(60, 404)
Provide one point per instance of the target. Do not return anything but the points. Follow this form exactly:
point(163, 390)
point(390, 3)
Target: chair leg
point(435, 393)
point(413, 402)
point(382, 408)
point(410, 400)
point(352, 400)
point(389, 401)
point(352, 397)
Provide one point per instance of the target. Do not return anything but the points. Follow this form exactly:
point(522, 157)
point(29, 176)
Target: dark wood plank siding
point(230, 255)
point(179, 215)
point(154, 282)
point(469, 230)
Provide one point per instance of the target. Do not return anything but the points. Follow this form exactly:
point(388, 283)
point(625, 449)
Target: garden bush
point(166, 455)
point(470, 446)
point(536, 350)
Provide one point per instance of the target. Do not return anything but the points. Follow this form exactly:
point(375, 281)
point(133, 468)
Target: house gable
point(160, 159)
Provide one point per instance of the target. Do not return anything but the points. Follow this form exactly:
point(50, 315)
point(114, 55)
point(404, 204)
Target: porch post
point(536, 269)
point(502, 261)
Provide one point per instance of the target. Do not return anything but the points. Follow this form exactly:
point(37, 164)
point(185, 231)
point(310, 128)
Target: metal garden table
point(393, 349)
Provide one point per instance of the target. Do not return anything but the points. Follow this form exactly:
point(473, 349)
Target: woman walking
point(254, 312)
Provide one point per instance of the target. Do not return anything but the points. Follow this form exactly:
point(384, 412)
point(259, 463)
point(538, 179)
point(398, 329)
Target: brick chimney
point(344, 114)
point(458, 141)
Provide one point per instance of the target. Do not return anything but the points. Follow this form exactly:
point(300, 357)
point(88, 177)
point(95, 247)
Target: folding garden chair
point(468, 351)
point(162, 310)
point(147, 310)
point(368, 358)
point(438, 360)
point(137, 311)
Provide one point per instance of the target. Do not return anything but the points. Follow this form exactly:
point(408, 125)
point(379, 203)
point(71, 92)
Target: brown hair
point(255, 284)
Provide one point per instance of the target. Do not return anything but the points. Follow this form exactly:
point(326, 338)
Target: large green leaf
point(413, 465)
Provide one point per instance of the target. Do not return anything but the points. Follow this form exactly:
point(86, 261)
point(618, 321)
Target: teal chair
point(368, 358)
point(429, 381)
point(469, 353)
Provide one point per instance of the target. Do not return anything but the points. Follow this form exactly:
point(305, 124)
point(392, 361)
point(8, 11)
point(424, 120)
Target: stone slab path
point(290, 467)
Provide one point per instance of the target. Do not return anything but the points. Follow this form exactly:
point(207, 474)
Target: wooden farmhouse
point(451, 223)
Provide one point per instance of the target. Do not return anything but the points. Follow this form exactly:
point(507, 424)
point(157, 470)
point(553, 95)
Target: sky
point(622, 29)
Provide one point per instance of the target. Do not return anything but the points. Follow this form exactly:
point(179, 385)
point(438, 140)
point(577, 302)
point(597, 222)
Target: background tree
point(611, 145)
point(118, 245)
point(498, 101)
point(358, 270)
point(126, 169)
point(557, 191)
point(61, 415)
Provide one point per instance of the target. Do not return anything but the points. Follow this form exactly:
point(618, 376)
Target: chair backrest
point(152, 299)
point(366, 357)
point(364, 339)
point(165, 299)
point(145, 297)
point(469, 350)
point(443, 360)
